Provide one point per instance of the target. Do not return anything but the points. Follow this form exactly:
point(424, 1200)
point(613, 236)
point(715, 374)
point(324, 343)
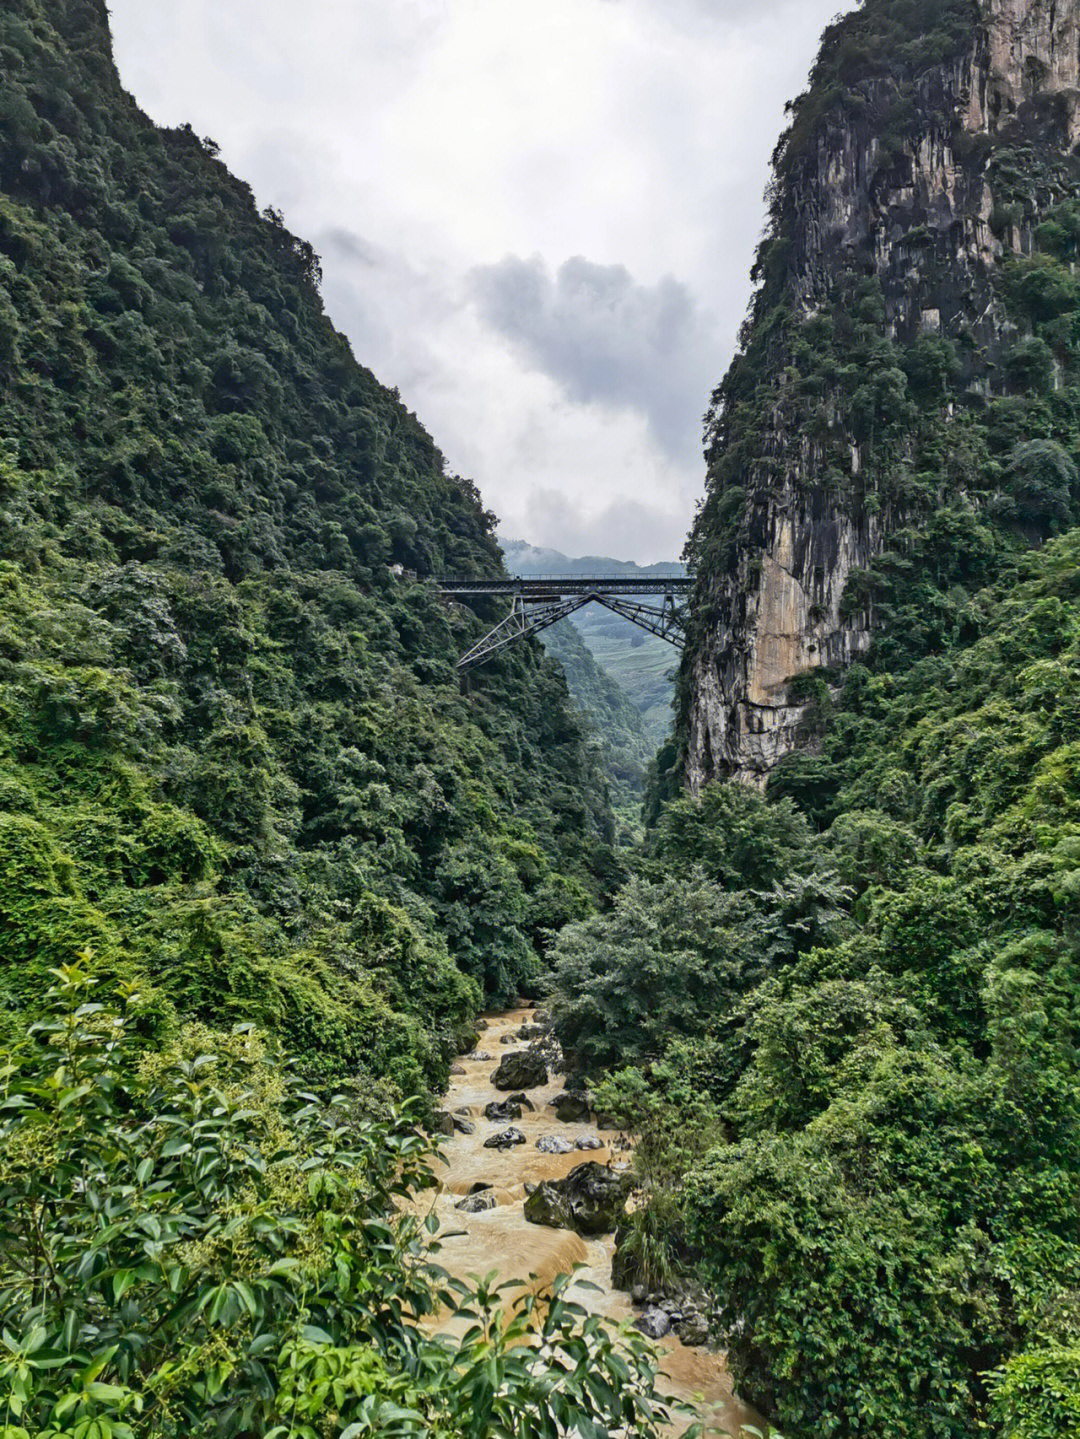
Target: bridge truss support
point(536, 606)
point(664, 620)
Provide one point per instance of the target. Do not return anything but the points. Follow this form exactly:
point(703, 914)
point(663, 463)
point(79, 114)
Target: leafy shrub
point(193, 1245)
point(1037, 1394)
point(1029, 365)
point(1042, 482)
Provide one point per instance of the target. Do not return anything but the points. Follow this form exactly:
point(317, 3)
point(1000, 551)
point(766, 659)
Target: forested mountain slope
point(234, 760)
point(854, 1047)
point(615, 726)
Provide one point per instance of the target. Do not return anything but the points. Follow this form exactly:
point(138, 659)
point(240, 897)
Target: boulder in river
point(572, 1107)
point(508, 1108)
point(477, 1203)
point(458, 1069)
point(654, 1324)
point(552, 1144)
point(505, 1140)
point(590, 1200)
point(463, 1125)
point(479, 1054)
point(589, 1141)
point(521, 1069)
point(441, 1122)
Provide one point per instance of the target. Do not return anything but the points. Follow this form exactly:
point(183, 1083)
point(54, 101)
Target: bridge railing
point(545, 585)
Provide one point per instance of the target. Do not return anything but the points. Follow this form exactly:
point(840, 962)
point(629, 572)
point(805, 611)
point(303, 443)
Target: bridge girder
point(538, 604)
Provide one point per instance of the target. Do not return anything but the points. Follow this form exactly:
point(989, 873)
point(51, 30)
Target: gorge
point(267, 865)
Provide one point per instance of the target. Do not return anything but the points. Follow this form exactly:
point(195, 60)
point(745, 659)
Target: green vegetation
point(893, 1213)
point(235, 761)
point(239, 779)
point(867, 980)
point(642, 665)
point(193, 1246)
point(238, 775)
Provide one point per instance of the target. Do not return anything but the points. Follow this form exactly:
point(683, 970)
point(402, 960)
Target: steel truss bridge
point(539, 602)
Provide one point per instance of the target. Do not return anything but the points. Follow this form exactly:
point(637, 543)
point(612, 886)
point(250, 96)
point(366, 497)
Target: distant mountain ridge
point(525, 559)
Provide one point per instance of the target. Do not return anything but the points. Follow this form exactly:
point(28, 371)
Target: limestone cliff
point(932, 140)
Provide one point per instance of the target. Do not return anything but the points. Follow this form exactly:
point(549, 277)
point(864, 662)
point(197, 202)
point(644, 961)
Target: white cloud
point(605, 338)
point(422, 144)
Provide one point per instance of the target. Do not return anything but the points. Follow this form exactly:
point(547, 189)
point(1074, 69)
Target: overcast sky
point(536, 219)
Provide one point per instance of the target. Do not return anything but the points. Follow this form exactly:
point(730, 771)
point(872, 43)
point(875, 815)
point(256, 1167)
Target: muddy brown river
point(501, 1239)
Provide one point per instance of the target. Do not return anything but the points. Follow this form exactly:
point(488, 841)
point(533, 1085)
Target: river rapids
point(501, 1239)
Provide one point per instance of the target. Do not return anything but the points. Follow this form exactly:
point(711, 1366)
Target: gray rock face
point(477, 1203)
point(552, 1144)
point(521, 1069)
point(693, 1331)
point(654, 1324)
point(571, 1107)
point(590, 1200)
point(922, 223)
point(589, 1142)
point(505, 1140)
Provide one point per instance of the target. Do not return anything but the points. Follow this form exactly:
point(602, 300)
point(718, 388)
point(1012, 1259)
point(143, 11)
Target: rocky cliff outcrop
point(931, 140)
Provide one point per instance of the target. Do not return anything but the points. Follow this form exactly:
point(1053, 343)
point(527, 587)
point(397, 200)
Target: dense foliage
point(193, 1246)
point(892, 1220)
point(895, 1211)
point(235, 760)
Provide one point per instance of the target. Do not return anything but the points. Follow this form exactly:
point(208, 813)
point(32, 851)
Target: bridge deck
point(548, 587)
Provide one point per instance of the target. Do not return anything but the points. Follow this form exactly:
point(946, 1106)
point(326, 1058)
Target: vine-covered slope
point(616, 728)
point(234, 759)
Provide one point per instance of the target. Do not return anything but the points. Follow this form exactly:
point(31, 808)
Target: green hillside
point(617, 731)
point(235, 763)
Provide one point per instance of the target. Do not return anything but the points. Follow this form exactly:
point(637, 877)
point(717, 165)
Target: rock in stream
point(521, 1069)
point(590, 1200)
